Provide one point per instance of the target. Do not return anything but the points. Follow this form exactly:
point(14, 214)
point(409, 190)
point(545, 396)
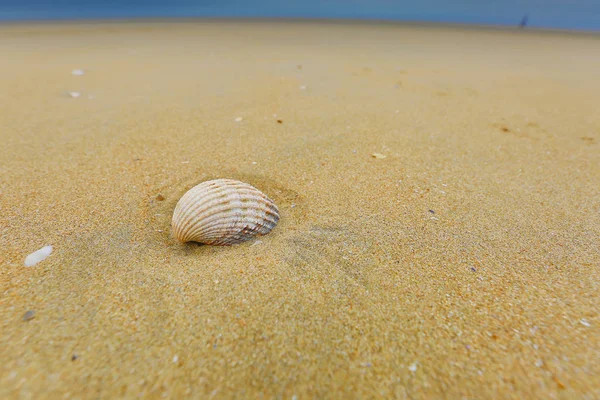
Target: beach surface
point(439, 191)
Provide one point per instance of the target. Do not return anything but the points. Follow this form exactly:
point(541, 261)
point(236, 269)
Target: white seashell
point(38, 256)
point(223, 212)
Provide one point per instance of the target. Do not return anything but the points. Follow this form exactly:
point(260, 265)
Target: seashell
point(223, 212)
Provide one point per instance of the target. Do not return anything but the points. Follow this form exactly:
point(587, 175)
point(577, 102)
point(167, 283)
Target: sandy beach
point(439, 190)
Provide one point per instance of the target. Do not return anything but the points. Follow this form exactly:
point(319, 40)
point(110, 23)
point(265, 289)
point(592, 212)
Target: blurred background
point(549, 14)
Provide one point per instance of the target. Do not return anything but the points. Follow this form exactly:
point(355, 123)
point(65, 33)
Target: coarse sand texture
point(438, 189)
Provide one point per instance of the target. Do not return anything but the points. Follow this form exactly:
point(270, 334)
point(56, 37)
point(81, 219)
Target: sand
point(463, 264)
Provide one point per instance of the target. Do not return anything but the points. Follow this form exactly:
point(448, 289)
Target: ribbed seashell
point(223, 212)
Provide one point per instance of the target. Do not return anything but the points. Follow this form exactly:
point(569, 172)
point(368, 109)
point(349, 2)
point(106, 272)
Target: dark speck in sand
point(587, 139)
point(279, 121)
point(473, 269)
point(160, 197)
point(74, 357)
point(431, 211)
point(29, 315)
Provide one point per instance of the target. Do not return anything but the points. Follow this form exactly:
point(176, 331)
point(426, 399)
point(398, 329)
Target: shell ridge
point(249, 221)
point(198, 200)
point(203, 204)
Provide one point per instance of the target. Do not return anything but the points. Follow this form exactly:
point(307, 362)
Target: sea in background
point(547, 14)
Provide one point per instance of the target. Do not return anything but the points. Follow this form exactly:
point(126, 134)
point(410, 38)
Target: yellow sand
point(464, 264)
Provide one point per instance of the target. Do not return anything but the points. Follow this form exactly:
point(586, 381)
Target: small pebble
point(413, 367)
point(378, 155)
point(303, 87)
point(175, 359)
point(74, 357)
point(239, 119)
point(38, 256)
point(585, 323)
point(29, 315)
point(74, 94)
point(279, 121)
point(77, 72)
point(160, 197)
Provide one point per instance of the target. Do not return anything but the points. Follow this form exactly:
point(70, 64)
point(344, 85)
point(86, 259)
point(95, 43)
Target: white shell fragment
point(38, 256)
point(77, 72)
point(223, 212)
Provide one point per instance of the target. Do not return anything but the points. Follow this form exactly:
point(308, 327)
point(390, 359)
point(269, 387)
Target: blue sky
point(573, 14)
